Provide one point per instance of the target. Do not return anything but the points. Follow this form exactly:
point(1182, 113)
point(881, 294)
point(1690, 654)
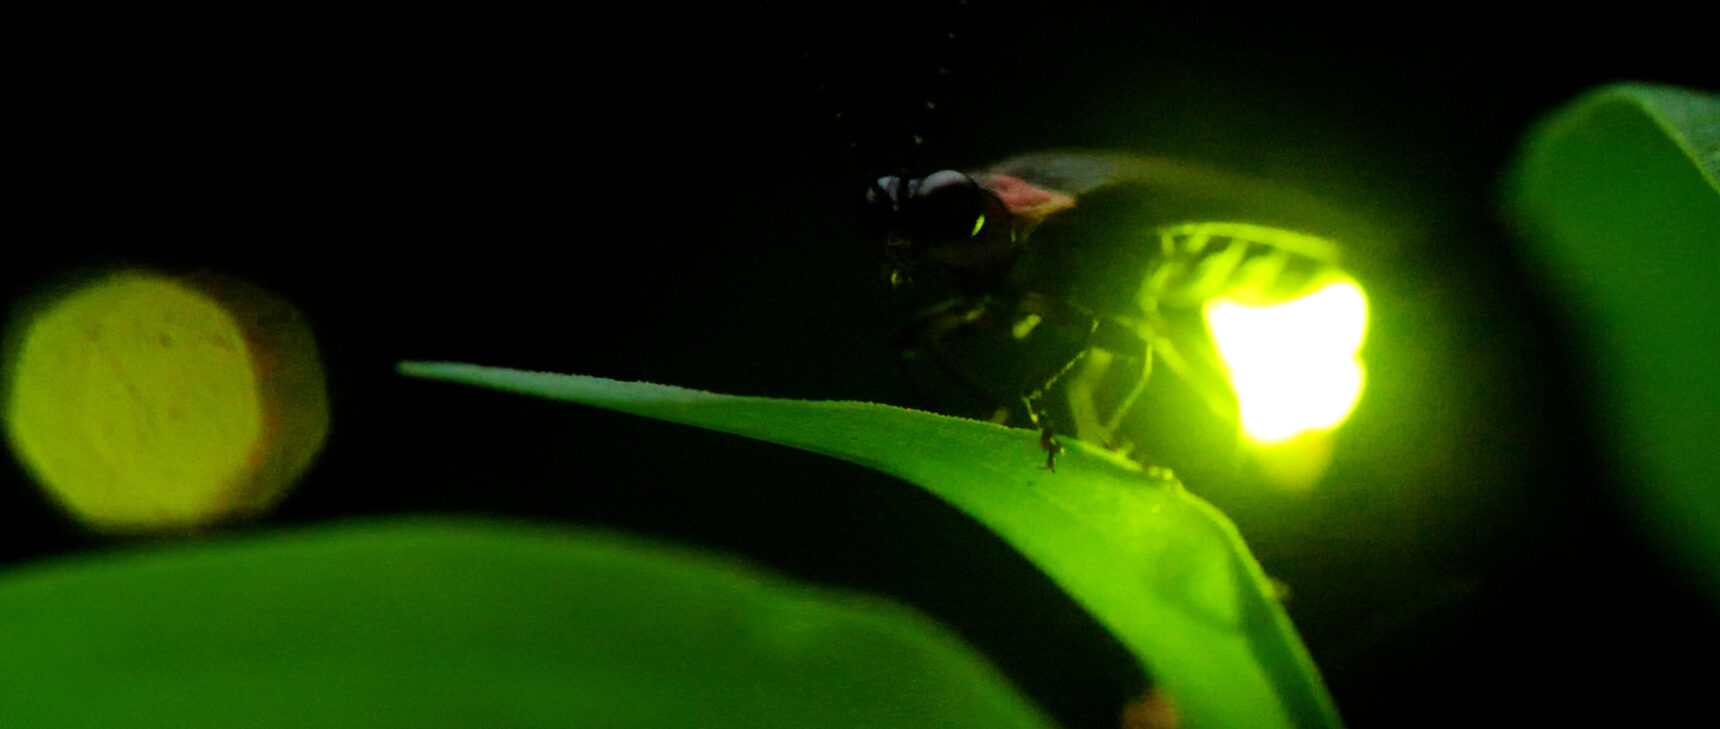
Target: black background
point(664, 194)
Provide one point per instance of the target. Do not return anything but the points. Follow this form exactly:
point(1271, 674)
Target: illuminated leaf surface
point(1164, 571)
point(452, 624)
point(1619, 193)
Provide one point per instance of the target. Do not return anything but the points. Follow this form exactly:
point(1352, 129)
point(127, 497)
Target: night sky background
point(668, 195)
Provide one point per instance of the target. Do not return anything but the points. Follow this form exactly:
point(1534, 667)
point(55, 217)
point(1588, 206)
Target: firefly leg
point(929, 335)
point(1059, 332)
point(1036, 309)
point(1119, 360)
point(1034, 397)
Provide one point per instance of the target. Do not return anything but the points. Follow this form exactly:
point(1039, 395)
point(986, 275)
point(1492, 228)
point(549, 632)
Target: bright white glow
point(1293, 365)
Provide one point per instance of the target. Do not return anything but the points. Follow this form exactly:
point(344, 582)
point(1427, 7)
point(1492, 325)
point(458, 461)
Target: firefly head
point(946, 217)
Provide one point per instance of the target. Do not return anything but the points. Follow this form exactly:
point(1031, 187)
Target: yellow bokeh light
point(1293, 364)
point(144, 402)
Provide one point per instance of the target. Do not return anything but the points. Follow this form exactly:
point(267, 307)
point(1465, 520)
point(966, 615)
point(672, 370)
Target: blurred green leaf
point(1163, 570)
point(1618, 194)
point(439, 623)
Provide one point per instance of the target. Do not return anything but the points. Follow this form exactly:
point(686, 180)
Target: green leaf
point(460, 624)
point(1618, 194)
point(1163, 570)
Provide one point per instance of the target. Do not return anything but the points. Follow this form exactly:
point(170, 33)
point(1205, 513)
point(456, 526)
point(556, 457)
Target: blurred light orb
point(1293, 364)
point(142, 402)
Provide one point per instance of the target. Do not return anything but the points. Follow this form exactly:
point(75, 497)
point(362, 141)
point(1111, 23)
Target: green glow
point(978, 224)
point(1294, 364)
point(1025, 327)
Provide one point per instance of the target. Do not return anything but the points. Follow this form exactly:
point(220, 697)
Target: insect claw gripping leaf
point(1047, 435)
point(1053, 449)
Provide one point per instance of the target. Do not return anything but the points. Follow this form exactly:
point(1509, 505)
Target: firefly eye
point(946, 206)
point(942, 180)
